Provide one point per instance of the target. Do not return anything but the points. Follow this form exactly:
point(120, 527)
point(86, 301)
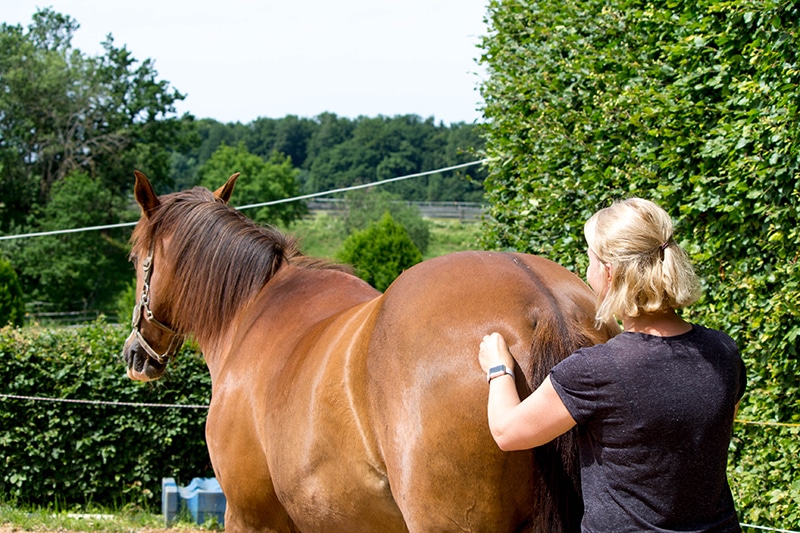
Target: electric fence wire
point(99, 402)
point(764, 528)
point(262, 204)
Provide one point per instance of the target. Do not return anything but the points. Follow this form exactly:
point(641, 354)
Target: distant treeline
point(333, 152)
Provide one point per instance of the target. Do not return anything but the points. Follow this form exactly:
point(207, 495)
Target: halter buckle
point(143, 304)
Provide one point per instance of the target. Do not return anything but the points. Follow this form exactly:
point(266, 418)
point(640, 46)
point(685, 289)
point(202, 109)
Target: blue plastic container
point(203, 498)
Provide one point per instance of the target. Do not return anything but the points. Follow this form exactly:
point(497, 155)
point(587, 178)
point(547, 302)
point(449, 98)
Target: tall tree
point(73, 127)
point(81, 271)
point(261, 181)
point(62, 111)
point(288, 135)
point(12, 305)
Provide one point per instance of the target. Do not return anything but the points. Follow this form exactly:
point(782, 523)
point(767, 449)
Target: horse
point(338, 408)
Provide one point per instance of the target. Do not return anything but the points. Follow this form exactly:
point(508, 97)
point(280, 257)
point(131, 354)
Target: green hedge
point(695, 105)
point(98, 453)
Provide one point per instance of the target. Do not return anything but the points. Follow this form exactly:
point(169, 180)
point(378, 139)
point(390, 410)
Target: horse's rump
point(430, 404)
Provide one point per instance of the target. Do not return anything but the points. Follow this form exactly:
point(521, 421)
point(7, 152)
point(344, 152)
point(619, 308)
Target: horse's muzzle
point(140, 365)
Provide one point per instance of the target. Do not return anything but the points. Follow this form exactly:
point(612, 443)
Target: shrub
point(366, 206)
point(125, 302)
point(380, 252)
point(86, 452)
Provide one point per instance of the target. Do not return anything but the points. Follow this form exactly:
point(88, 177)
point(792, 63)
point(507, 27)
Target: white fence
point(464, 211)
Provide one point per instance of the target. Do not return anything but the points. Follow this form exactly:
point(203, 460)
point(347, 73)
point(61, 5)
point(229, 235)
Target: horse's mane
point(221, 258)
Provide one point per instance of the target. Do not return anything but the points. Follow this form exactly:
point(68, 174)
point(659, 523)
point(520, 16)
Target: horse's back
point(430, 401)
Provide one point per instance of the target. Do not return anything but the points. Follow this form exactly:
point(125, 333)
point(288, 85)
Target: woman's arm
point(516, 425)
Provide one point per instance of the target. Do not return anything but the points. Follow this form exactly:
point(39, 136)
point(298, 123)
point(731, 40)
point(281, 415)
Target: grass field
point(15, 518)
point(322, 235)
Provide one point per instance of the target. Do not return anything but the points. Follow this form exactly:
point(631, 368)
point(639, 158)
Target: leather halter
point(141, 309)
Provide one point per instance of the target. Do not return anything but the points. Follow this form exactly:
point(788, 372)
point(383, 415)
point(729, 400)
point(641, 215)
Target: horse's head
point(153, 340)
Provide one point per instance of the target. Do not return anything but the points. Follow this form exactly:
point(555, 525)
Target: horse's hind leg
point(438, 490)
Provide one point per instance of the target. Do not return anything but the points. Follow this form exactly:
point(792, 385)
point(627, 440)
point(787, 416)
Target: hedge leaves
point(693, 104)
point(105, 454)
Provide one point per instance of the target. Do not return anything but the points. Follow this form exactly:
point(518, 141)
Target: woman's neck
point(665, 324)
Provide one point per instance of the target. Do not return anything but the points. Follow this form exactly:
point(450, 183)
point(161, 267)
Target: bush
point(126, 300)
point(381, 252)
point(695, 106)
point(98, 453)
point(12, 305)
point(366, 206)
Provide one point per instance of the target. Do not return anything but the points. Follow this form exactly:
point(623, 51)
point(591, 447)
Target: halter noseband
point(143, 305)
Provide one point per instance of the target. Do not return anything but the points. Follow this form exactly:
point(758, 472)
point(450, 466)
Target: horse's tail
point(554, 338)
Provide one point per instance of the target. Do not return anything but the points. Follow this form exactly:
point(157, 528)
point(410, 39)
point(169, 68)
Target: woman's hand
point(494, 352)
point(519, 425)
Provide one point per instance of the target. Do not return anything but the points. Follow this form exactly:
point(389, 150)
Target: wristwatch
point(497, 371)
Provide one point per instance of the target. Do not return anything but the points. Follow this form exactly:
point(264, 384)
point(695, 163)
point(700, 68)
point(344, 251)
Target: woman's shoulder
point(715, 336)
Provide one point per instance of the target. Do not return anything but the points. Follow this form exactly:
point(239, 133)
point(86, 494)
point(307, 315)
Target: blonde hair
point(650, 273)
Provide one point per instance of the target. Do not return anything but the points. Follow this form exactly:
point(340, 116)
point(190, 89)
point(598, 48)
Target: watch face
point(497, 371)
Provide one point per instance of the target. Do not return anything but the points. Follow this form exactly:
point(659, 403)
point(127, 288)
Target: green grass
point(91, 518)
point(322, 235)
point(450, 235)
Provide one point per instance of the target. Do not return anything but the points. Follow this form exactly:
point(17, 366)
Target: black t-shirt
point(655, 416)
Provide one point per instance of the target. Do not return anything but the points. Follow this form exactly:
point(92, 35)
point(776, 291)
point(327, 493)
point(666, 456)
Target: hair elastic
point(664, 246)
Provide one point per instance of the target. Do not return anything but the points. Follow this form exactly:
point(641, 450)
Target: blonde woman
point(654, 406)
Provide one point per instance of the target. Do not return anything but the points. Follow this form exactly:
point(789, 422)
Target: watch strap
point(497, 371)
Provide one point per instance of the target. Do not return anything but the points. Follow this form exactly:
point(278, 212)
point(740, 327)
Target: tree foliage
point(380, 252)
point(261, 181)
point(75, 271)
point(693, 105)
point(334, 152)
point(62, 111)
point(73, 128)
point(12, 306)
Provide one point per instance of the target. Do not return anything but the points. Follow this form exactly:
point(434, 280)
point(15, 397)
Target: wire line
point(99, 402)
point(262, 204)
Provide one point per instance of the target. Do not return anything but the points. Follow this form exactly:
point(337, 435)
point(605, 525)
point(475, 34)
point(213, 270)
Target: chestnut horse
point(337, 408)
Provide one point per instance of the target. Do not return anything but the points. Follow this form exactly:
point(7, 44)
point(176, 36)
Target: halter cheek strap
point(141, 309)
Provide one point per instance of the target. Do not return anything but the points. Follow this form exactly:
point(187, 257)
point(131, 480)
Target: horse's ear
point(224, 193)
point(144, 193)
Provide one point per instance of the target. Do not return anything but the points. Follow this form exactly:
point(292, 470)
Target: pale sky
point(237, 60)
